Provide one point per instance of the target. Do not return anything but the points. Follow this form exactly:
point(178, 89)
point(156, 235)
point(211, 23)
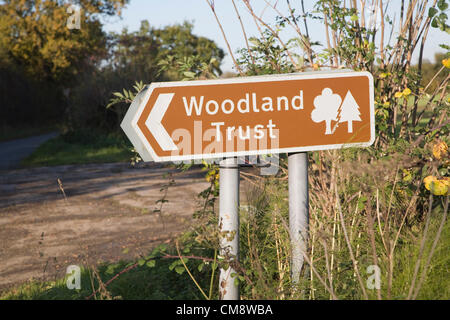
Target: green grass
point(142, 282)
point(436, 285)
point(161, 283)
point(80, 148)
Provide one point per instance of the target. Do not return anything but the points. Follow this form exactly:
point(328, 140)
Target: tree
point(326, 108)
point(41, 56)
point(152, 54)
point(429, 70)
point(34, 36)
point(143, 53)
point(349, 111)
point(179, 42)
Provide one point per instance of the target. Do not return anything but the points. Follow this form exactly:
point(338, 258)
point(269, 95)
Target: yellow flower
point(406, 92)
point(436, 186)
point(398, 94)
point(439, 187)
point(315, 66)
point(440, 150)
point(446, 63)
point(428, 180)
point(407, 175)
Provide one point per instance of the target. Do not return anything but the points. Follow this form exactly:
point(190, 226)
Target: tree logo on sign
point(328, 108)
point(349, 111)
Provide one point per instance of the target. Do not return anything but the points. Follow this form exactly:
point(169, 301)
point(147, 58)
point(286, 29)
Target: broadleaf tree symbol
point(349, 111)
point(326, 108)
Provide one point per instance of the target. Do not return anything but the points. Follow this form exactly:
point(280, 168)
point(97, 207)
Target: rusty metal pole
point(229, 225)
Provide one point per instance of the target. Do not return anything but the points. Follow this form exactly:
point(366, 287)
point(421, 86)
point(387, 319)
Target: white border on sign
point(148, 154)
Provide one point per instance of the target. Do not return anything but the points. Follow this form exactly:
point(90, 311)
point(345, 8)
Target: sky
point(161, 13)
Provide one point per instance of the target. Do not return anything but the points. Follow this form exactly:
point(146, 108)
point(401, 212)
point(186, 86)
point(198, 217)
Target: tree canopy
point(69, 70)
point(142, 52)
point(34, 36)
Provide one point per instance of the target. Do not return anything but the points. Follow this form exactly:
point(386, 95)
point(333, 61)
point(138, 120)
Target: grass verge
point(142, 282)
point(80, 148)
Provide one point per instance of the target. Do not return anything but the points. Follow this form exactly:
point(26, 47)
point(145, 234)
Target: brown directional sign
point(171, 121)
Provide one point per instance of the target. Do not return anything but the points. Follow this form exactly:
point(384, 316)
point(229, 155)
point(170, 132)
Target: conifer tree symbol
point(326, 108)
point(349, 111)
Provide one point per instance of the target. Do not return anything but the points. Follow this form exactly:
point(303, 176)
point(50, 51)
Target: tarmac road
point(12, 152)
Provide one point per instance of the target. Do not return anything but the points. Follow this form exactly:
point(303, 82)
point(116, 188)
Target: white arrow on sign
point(154, 124)
point(129, 125)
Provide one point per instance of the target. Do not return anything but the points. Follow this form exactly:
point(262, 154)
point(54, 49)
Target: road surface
point(12, 152)
point(93, 213)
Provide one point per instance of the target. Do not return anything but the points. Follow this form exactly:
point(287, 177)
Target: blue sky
point(165, 12)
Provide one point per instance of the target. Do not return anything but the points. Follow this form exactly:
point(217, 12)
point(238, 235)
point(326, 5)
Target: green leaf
point(162, 247)
point(361, 203)
point(200, 267)
point(431, 12)
point(151, 263)
point(189, 74)
point(254, 41)
point(110, 269)
point(442, 5)
point(173, 265)
point(434, 23)
point(125, 251)
point(354, 17)
point(141, 262)
point(179, 269)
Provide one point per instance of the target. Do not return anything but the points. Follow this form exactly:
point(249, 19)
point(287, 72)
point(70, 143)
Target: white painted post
point(298, 210)
point(229, 225)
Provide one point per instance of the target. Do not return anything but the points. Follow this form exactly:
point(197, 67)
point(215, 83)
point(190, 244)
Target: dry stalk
point(422, 247)
point(238, 68)
point(243, 32)
point(370, 227)
point(344, 230)
point(274, 33)
point(308, 261)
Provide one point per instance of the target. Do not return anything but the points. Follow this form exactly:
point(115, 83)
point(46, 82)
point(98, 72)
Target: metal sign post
point(298, 210)
point(250, 116)
point(229, 225)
